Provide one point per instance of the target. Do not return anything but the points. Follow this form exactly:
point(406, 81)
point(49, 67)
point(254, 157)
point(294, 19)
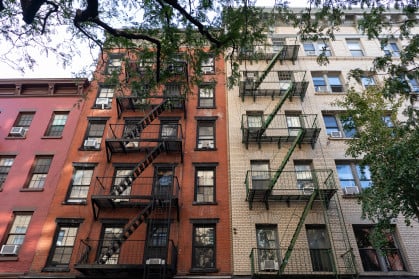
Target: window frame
point(93, 134)
point(202, 138)
point(62, 224)
point(355, 175)
point(211, 227)
point(339, 127)
point(208, 64)
point(320, 261)
point(105, 242)
point(17, 231)
point(368, 81)
point(207, 89)
point(267, 243)
point(391, 49)
point(114, 59)
point(328, 82)
point(355, 47)
point(104, 91)
point(38, 170)
point(56, 130)
point(23, 120)
point(6, 163)
point(317, 48)
point(76, 169)
point(383, 264)
point(207, 197)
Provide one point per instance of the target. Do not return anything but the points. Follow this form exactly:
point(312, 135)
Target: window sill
point(55, 269)
point(198, 107)
point(31, 190)
point(14, 138)
point(74, 203)
point(9, 259)
point(205, 149)
point(52, 137)
point(203, 270)
point(204, 203)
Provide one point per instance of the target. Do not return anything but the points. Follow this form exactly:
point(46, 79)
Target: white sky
point(49, 68)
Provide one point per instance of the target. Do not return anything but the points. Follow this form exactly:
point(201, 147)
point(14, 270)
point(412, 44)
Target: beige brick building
point(294, 211)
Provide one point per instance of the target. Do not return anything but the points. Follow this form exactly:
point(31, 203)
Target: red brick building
point(144, 190)
point(38, 118)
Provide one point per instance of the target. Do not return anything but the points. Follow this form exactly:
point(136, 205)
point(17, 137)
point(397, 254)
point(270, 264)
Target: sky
point(48, 67)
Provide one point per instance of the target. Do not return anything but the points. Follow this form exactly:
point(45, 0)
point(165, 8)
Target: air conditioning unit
point(18, 131)
point(351, 190)
point(311, 52)
point(102, 102)
point(139, 101)
point(322, 88)
point(9, 249)
point(336, 134)
point(155, 261)
point(91, 143)
point(260, 184)
point(208, 145)
point(306, 187)
point(269, 265)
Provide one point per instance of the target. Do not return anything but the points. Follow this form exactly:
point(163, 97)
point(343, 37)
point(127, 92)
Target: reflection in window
point(203, 246)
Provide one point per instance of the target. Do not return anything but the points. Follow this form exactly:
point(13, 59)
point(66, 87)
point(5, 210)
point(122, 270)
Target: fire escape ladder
point(278, 106)
point(138, 169)
point(297, 231)
point(268, 68)
point(153, 114)
point(126, 233)
point(274, 179)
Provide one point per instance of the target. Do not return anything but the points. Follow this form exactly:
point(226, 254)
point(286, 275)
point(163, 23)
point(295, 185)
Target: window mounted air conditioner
point(306, 187)
point(91, 143)
point(311, 52)
point(9, 249)
point(206, 145)
point(18, 131)
point(351, 190)
point(155, 261)
point(322, 88)
point(269, 265)
point(336, 134)
point(102, 102)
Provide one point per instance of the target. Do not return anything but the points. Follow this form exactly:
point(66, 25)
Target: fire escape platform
point(272, 89)
point(267, 52)
point(146, 103)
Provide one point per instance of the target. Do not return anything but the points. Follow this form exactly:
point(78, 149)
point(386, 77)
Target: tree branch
point(55, 9)
point(201, 28)
point(30, 8)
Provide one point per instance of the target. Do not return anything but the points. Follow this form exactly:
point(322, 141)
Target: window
point(205, 184)
point(367, 81)
point(109, 233)
point(339, 128)
point(386, 258)
point(94, 134)
point(354, 46)
point(39, 171)
point(114, 64)
point(414, 85)
point(63, 244)
point(320, 249)
point(119, 177)
point(316, 48)
point(277, 44)
point(208, 65)
point(22, 123)
point(352, 177)
point(80, 183)
point(157, 240)
point(304, 177)
point(391, 49)
point(169, 129)
point(172, 92)
point(16, 235)
point(206, 97)
point(268, 252)
point(6, 163)
point(56, 125)
point(104, 97)
point(163, 183)
point(203, 246)
point(206, 134)
point(329, 82)
point(293, 124)
point(260, 175)
point(254, 119)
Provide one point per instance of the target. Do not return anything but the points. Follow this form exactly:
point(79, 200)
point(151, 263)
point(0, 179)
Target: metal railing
point(132, 252)
point(152, 133)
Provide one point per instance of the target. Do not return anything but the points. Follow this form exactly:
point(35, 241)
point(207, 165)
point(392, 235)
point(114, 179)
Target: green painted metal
point(286, 159)
point(297, 231)
point(268, 68)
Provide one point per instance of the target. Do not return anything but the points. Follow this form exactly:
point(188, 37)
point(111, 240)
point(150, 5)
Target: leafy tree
point(161, 27)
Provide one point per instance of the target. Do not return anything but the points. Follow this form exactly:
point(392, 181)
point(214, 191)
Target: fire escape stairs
point(268, 68)
point(297, 231)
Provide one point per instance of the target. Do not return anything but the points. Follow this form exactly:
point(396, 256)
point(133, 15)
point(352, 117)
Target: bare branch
point(30, 8)
point(54, 10)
